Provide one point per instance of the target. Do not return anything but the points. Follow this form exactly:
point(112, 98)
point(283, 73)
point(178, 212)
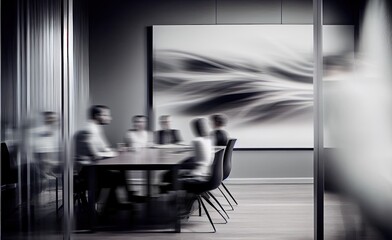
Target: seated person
point(200, 164)
point(219, 136)
point(91, 145)
point(99, 147)
point(138, 137)
point(167, 135)
point(203, 149)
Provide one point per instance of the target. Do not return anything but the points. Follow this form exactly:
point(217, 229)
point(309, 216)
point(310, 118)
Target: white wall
point(120, 58)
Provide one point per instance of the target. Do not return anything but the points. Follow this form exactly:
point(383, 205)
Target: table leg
point(148, 196)
point(91, 196)
point(177, 223)
point(148, 179)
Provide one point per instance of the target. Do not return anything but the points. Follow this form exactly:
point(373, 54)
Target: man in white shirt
point(91, 145)
point(138, 137)
point(97, 143)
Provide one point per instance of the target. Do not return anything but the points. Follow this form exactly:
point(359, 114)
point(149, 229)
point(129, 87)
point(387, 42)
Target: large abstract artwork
point(259, 76)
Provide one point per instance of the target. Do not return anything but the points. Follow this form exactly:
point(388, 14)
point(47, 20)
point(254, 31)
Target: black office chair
point(9, 181)
point(226, 172)
point(227, 163)
point(200, 188)
point(9, 171)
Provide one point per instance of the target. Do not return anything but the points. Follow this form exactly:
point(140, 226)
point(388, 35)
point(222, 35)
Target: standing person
point(45, 140)
point(219, 135)
point(167, 135)
point(138, 137)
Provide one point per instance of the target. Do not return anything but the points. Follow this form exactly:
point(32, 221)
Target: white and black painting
point(259, 76)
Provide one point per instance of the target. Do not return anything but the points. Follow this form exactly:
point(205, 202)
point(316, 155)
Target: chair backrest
point(8, 170)
point(216, 171)
point(227, 158)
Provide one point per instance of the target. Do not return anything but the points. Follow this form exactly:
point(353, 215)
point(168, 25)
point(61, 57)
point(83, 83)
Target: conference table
point(162, 157)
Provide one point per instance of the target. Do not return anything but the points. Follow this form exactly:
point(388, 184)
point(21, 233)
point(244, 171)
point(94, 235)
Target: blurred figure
point(220, 136)
point(138, 137)
point(167, 135)
point(98, 146)
point(203, 149)
point(363, 129)
point(199, 165)
point(91, 145)
point(45, 140)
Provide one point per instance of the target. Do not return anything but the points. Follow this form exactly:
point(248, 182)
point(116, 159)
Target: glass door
point(355, 120)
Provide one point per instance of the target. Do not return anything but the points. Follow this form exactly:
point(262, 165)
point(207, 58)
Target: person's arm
point(104, 144)
point(177, 136)
point(99, 147)
point(198, 148)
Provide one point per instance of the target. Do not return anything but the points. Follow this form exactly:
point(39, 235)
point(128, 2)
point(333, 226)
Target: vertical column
point(0, 118)
point(318, 122)
point(67, 111)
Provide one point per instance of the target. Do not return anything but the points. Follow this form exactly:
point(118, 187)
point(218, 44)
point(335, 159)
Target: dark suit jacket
point(220, 137)
point(170, 136)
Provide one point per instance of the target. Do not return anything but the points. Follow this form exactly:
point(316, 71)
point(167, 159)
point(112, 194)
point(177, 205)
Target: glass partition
point(357, 134)
point(34, 119)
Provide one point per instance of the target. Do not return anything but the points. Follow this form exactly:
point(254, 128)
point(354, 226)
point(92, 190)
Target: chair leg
point(216, 200)
point(198, 200)
point(205, 210)
point(227, 190)
point(212, 205)
point(57, 196)
point(224, 195)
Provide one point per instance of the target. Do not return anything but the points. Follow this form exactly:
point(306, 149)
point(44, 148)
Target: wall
point(8, 67)
point(120, 58)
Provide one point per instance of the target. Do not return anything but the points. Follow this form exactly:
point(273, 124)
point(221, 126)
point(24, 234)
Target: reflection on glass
point(358, 134)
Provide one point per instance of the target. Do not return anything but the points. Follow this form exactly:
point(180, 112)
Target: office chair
point(227, 163)
point(9, 181)
point(226, 173)
point(9, 172)
point(201, 187)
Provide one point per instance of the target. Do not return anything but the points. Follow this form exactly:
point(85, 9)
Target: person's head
point(100, 114)
point(218, 120)
point(164, 121)
point(50, 118)
point(139, 122)
point(199, 127)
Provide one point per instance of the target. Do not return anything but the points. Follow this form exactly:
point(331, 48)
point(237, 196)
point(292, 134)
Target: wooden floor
point(273, 212)
point(264, 212)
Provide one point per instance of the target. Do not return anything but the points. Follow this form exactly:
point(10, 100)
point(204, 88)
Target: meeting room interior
point(196, 119)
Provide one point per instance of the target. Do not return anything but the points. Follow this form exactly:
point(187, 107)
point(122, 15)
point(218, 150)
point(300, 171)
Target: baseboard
point(238, 181)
